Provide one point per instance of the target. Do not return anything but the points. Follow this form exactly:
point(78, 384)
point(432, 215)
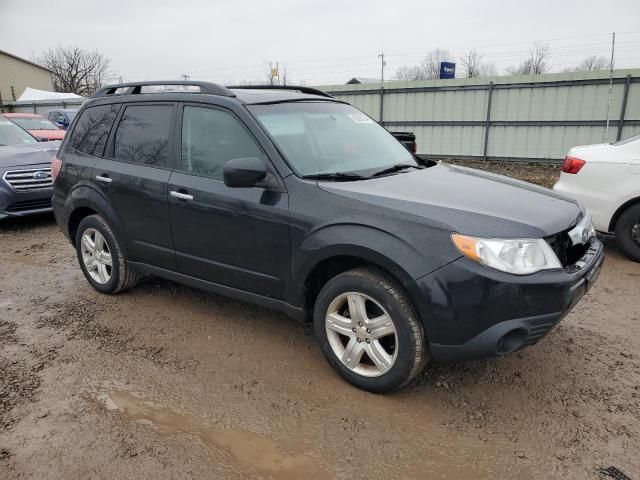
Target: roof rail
point(136, 87)
point(308, 90)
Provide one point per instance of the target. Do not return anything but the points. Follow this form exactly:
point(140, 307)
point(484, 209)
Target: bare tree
point(431, 63)
point(409, 74)
point(474, 66)
point(488, 70)
point(536, 64)
point(429, 68)
point(269, 72)
point(75, 70)
point(283, 75)
point(590, 64)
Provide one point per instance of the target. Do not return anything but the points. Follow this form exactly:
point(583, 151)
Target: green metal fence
point(528, 118)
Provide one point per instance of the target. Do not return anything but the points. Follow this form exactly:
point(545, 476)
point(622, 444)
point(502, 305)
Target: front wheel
point(628, 232)
point(369, 332)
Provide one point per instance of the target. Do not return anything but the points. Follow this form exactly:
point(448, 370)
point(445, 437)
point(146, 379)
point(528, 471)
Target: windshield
point(327, 137)
point(34, 123)
point(11, 134)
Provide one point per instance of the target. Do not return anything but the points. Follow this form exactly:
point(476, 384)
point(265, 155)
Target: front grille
point(567, 252)
point(29, 179)
point(27, 205)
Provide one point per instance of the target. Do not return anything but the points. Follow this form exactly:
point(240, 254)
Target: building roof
point(357, 80)
point(23, 60)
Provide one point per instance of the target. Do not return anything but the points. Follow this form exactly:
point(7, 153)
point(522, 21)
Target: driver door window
point(210, 138)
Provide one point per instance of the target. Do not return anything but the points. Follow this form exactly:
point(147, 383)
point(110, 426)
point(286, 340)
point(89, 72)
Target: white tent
point(32, 94)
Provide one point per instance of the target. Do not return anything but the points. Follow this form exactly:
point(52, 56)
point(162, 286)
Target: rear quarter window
point(92, 129)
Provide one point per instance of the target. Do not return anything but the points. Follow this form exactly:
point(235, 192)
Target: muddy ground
point(167, 382)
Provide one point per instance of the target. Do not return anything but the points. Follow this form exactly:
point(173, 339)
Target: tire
point(378, 299)
point(110, 280)
point(628, 232)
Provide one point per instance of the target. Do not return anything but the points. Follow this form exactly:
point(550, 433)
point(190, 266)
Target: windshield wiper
point(395, 168)
point(339, 176)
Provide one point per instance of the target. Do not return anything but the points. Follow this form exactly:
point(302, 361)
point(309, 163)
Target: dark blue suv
point(291, 199)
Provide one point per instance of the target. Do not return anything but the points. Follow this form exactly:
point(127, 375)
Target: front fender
point(371, 244)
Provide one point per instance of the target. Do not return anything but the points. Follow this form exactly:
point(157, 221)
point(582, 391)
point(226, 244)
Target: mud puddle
point(261, 453)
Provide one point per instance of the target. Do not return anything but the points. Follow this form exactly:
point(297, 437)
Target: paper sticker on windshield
point(360, 118)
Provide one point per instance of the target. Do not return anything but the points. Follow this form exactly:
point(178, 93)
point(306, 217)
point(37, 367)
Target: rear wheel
point(101, 258)
point(368, 331)
point(628, 232)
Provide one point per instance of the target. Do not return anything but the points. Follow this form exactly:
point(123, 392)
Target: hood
point(23, 155)
point(50, 134)
point(468, 201)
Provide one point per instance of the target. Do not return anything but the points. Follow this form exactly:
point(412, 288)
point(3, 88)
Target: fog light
point(512, 340)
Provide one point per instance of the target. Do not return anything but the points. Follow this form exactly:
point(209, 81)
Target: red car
point(36, 125)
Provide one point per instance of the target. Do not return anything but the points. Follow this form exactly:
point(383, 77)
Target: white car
point(606, 179)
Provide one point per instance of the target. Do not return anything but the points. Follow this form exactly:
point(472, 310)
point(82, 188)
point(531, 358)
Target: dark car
point(62, 118)
point(291, 199)
point(25, 172)
point(408, 139)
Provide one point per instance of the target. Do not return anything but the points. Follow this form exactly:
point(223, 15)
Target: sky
point(320, 42)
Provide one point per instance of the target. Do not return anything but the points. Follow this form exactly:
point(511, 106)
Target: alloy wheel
point(361, 334)
point(96, 256)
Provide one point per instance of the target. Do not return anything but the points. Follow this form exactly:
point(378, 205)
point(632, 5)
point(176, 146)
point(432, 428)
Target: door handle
point(181, 196)
point(104, 179)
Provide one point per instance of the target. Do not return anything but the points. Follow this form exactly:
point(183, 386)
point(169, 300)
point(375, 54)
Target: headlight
point(519, 256)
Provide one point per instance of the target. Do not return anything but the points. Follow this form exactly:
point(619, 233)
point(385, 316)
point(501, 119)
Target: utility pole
point(382, 65)
point(613, 47)
point(185, 77)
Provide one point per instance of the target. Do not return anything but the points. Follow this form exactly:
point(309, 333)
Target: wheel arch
point(338, 261)
point(75, 218)
point(92, 202)
point(621, 209)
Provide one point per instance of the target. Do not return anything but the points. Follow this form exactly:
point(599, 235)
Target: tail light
point(572, 165)
point(414, 147)
point(56, 166)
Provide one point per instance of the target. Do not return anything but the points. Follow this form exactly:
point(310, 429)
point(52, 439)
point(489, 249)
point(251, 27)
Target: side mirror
point(244, 172)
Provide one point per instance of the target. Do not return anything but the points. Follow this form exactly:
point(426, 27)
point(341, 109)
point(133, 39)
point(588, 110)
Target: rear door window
point(92, 130)
point(143, 135)
point(210, 138)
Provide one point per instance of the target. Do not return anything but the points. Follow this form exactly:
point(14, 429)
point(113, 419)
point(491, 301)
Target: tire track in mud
point(79, 319)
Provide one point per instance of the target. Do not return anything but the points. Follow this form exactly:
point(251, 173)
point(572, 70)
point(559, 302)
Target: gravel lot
point(540, 174)
point(169, 382)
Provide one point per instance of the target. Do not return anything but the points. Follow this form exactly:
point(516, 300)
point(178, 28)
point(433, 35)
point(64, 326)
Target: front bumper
point(19, 204)
point(470, 311)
